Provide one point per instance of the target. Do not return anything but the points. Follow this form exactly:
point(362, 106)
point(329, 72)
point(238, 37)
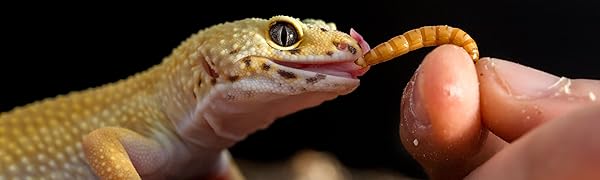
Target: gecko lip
point(346, 69)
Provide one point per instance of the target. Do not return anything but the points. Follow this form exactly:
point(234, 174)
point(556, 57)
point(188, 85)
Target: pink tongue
point(343, 69)
point(361, 41)
point(365, 48)
point(346, 69)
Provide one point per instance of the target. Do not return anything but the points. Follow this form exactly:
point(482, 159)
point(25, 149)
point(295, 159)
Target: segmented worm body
point(417, 38)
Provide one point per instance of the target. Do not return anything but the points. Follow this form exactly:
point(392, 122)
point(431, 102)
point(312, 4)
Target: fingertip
point(448, 84)
point(440, 123)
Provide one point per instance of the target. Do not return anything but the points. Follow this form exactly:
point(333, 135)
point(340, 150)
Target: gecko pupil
point(283, 34)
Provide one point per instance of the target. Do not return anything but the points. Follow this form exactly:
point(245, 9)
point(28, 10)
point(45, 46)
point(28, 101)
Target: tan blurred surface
point(311, 165)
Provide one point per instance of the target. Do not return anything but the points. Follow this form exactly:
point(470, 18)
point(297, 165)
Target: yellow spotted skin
point(168, 122)
point(44, 139)
point(418, 38)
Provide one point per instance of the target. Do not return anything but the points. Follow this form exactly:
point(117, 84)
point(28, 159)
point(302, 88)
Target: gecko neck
point(184, 84)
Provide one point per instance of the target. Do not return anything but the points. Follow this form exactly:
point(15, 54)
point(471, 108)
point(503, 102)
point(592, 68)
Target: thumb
point(515, 98)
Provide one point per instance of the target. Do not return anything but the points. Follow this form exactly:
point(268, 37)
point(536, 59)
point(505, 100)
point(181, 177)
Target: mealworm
point(417, 38)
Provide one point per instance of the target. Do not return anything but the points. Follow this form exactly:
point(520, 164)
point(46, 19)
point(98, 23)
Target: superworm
point(425, 36)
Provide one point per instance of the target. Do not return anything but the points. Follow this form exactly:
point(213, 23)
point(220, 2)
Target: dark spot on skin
point(480, 74)
point(266, 67)
point(234, 51)
point(247, 60)
point(213, 81)
point(323, 29)
point(234, 78)
point(294, 51)
point(329, 53)
point(213, 73)
point(229, 97)
point(199, 84)
point(352, 49)
point(208, 69)
point(292, 88)
point(286, 74)
point(317, 78)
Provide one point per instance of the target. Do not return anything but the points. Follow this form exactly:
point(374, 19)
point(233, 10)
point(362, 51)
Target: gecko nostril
point(352, 49)
point(341, 46)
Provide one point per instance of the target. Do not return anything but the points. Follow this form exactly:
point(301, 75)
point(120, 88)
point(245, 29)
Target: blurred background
point(51, 49)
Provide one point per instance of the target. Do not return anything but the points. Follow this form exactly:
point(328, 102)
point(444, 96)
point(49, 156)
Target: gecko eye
point(283, 34)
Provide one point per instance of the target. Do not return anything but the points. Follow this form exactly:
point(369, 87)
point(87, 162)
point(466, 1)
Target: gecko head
point(307, 57)
point(287, 55)
point(262, 69)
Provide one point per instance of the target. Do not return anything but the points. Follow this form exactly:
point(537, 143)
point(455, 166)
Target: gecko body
point(176, 119)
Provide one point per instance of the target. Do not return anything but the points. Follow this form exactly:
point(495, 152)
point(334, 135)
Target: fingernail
point(521, 81)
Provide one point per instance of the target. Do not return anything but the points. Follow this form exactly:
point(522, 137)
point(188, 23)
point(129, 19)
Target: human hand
point(499, 120)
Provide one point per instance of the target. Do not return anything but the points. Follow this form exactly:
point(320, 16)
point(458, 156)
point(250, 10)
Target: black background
point(50, 49)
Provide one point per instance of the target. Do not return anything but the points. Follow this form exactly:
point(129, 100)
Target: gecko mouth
point(343, 68)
